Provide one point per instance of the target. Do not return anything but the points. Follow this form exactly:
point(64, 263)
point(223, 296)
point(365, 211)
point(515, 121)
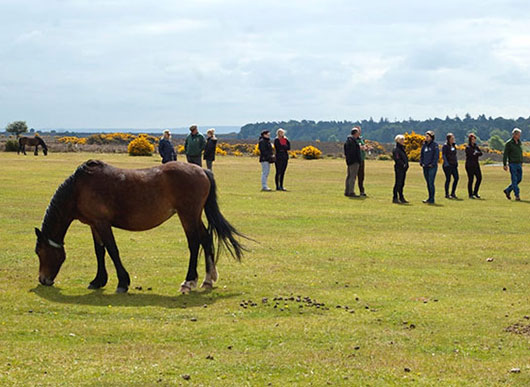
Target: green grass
point(423, 295)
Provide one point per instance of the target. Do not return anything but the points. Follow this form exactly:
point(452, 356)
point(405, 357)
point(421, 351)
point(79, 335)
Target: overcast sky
point(147, 64)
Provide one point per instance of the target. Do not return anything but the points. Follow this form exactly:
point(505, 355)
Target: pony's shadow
point(105, 299)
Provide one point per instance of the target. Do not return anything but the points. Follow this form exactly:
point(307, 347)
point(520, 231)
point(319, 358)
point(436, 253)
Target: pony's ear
point(39, 234)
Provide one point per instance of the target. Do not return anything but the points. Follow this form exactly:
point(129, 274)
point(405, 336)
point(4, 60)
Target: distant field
point(405, 294)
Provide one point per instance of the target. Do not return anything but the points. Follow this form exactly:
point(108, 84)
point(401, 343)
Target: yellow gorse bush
point(72, 140)
point(310, 152)
point(140, 146)
point(220, 151)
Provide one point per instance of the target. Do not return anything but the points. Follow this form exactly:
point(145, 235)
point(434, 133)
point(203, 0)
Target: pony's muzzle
point(45, 281)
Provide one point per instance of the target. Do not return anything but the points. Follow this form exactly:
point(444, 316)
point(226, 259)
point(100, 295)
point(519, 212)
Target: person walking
point(513, 159)
point(209, 148)
point(429, 161)
point(364, 148)
point(282, 146)
point(450, 165)
point(165, 148)
point(266, 158)
point(352, 151)
point(473, 167)
point(401, 165)
point(194, 146)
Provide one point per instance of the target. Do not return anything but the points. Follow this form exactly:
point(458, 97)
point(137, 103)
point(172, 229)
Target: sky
point(164, 64)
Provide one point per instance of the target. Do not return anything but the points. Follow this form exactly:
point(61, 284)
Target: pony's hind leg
point(193, 244)
point(211, 271)
point(107, 237)
point(101, 276)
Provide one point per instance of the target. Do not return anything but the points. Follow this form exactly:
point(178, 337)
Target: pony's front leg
point(36, 150)
point(101, 276)
point(192, 276)
point(107, 237)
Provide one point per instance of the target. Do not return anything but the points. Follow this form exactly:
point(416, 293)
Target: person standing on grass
point(450, 165)
point(282, 146)
point(473, 167)
point(364, 148)
point(194, 146)
point(209, 148)
point(352, 151)
point(401, 165)
point(165, 148)
point(429, 161)
point(513, 159)
point(266, 158)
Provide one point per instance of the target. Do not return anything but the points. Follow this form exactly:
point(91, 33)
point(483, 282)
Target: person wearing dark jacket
point(194, 146)
point(165, 149)
point(209, 148)
point(401, 165)
point(473, 167)
point(352, 151)
point(266, 158)
point(513, 159)
point(450, 165)
point(429, 161)
point(282, 146)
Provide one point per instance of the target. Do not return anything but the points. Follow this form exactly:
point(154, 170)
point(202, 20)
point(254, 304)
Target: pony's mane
point(41, 141)
point(56, 208)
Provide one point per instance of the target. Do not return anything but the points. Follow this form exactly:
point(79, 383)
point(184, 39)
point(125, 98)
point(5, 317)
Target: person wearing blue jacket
point(430, 154)
point(165, 149)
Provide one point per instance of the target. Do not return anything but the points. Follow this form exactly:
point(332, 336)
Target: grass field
point(419, 302)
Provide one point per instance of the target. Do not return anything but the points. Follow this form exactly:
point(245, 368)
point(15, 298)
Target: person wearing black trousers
point(282, 146)
point(209, 148)
point(473, 167)
point(450, 165)
point(401, 165)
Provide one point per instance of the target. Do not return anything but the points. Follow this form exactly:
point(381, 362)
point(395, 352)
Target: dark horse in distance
point(103, 197)
point(32, 141)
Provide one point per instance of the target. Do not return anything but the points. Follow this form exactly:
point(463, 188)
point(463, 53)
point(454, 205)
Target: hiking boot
point(363, 194)
point(396, 201)
point(517, 199)
point(476, 196)
point(266, 189)
point(403, 201)
point(507, 193)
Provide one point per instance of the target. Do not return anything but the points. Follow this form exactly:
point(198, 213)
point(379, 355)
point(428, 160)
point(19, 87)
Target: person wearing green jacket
point(194, 146)
point(513, 160)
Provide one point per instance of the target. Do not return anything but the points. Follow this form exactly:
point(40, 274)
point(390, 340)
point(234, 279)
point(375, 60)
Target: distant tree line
point(385, 130)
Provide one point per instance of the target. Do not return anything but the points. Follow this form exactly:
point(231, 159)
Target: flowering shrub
point(140, 146)
point(295, 153)
point(220, 151)
point(413, 144)
point(72, 140)
point(255, 152)
point(237, 153)
point(117, 138)
point(310, 152)
point(181, 149)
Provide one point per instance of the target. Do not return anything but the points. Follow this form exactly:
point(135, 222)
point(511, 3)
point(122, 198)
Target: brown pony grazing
point(32, 141)
point(103, 197)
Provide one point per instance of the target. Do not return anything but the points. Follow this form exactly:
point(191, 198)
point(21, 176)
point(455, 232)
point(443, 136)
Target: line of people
point(196, 147)
point(429, 156)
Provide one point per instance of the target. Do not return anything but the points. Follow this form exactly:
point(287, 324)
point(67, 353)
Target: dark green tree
point(496, 143)
point(17, 127)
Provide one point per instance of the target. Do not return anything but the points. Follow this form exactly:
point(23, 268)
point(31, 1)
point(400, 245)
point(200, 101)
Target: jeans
point(265, 168)
point(360, 177)
point(430, 176)
point(473, 172)
point(194, 160)
point(401, 174)
point(451, 170)
point(516, 171)
point(353, 169)
point(281, 166)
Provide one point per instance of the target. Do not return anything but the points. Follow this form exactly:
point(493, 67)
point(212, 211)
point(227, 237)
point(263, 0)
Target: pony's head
point(43, 144)
point(51, 257)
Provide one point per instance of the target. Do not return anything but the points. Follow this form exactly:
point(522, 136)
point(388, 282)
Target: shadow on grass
point(104, 299)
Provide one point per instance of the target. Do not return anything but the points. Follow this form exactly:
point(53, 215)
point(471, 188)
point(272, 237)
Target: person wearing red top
point(282, 146)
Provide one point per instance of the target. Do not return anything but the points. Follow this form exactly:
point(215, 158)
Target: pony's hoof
point(207, 285)
point(186, 286)
point(121, 290)
point(184, 289)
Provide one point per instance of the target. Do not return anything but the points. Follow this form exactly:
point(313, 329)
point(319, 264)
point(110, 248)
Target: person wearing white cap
point(165, 149)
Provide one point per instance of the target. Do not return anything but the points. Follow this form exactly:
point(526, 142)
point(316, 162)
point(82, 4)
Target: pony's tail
point(219, 226)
